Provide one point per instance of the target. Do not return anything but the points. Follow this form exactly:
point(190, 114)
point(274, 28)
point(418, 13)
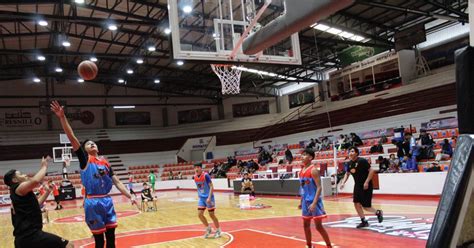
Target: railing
point(289, 117)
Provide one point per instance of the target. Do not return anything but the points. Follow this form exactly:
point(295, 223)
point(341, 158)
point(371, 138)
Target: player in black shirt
point(362, 174)
point(147, 197)
point(247, 185)
point(26, 212)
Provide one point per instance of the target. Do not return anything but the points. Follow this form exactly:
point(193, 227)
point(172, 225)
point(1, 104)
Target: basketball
point(87, 70)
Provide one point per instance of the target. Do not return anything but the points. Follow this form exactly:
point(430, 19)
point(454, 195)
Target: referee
point(362, 198)
point(26, 212)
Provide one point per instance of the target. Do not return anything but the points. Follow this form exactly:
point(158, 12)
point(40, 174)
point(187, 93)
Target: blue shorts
point(318, 212)
point(202, 205)
point(100, 214)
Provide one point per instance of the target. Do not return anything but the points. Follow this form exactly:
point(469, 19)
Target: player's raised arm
point(27, 186)
point(59, 112)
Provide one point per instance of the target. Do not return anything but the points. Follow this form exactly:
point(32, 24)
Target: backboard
point(210, 29)
point(63, 153)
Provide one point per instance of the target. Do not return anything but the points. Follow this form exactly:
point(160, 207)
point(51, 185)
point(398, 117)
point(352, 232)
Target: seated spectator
point(340, 142)
point(180, 175)
point(434, 167)
point(252, 166)
point(170, 175)
point(325, 144)
point(288, 155)
point(377, 148)
point(446, 151)
point(355, 139)
point(384, 164)
point(147, 197)
point(247, 185)
point(214, 170)
point(311, 144)
point(408, 164)
point(426, 145)
point(383, 139)
point(264, 156)
point(394, 163)
point(317, 145)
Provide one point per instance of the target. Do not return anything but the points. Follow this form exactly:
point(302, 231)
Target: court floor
point(272, 222)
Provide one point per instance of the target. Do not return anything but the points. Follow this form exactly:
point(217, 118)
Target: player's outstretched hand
point(45, 161)
point(57, 109)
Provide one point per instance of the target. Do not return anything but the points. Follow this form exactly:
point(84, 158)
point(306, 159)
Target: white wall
point(430, 183)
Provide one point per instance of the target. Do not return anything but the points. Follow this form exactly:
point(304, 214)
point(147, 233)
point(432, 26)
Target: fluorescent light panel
point(124, 107)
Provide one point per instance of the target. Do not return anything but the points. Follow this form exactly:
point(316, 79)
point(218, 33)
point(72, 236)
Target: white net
point(229, 76)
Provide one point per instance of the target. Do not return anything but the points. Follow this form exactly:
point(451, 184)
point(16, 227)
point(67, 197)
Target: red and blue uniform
point(308, 192)
point(98, 206)
point(202, 183)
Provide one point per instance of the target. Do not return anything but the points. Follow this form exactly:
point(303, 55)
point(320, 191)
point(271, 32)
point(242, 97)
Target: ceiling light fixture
point(41, 58)
point(80, 80)
point(187, 9)
point(157, 81)
point(43, 23)
point(139, 61)
point(66, 43)
point(36, 80)
point(129, 71)
point(93, 59)
point(112, 27)
point(58, 69)
point(180, 63)
point(167, 31)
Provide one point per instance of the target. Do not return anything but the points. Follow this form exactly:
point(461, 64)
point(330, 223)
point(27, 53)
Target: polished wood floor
point(279, 224)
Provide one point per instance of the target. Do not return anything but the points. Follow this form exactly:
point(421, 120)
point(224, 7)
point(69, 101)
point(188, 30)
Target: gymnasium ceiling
point(142, 22)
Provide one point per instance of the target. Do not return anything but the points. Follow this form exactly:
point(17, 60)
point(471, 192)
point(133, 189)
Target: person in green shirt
point(151, 180)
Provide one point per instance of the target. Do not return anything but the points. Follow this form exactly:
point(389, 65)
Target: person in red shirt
point(56, 195)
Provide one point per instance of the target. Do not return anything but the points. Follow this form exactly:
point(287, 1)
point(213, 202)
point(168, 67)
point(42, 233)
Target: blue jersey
point(307, 185)
point(202, 183)
point(97, 176)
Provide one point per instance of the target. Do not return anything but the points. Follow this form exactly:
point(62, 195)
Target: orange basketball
point(87, 70)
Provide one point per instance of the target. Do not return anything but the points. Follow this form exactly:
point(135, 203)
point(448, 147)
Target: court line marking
point(140, 233)
point(231, 238)
point(278, 235)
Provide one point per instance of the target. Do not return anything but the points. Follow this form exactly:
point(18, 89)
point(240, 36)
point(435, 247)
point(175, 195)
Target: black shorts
point(56, 198)
point(248, 188)
point(40, 239)
point(364, 197)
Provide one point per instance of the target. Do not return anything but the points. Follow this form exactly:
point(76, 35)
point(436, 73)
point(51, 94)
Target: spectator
point(170, 175)
point(434, 167)
point(446, 151)
point(383, 139)
point(317, 144)
point(394, 163)
point(355, 139)
point(384, 164)
point(288, 155)
point(427, 143)
point(215, 169)
point(340, 142)
point(377, 148)
point(409, 164)
point(325, 144)
point(253, 166)
point(180, 175)
point(311, 144)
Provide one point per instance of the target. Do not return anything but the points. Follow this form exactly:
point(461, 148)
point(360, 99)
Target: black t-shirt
point(25, 212)
point(83, 158)
point(147, 193)
point(384, 165)
point(360, 171)
point(246, 181)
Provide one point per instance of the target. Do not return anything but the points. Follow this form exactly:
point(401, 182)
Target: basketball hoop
point(229, 76)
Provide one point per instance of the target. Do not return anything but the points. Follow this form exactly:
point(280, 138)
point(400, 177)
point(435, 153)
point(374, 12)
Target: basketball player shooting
point(97, 177)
